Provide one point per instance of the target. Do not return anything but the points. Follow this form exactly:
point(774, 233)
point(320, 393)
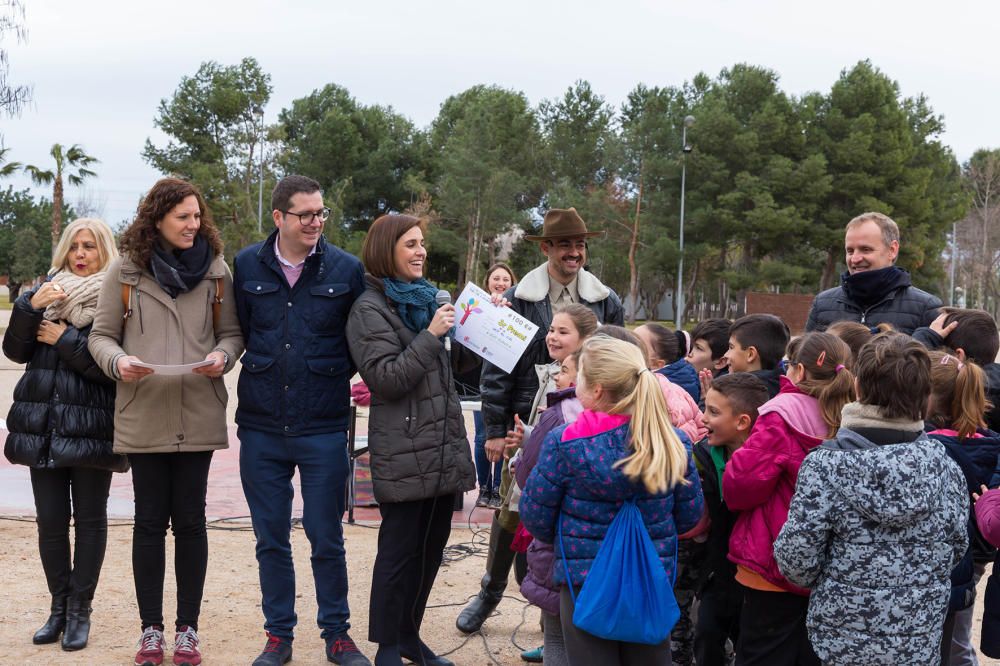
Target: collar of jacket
point(534, 287)
point(864, 427)
point(266, 251)
point(129, 272)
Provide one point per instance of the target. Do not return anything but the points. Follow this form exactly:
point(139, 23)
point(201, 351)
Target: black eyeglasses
point(309, 217)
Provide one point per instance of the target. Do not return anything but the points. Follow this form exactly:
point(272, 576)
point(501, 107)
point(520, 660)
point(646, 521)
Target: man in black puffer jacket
point(873, 290)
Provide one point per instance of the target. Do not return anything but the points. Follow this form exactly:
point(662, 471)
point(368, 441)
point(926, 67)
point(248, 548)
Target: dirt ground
point(231, 621)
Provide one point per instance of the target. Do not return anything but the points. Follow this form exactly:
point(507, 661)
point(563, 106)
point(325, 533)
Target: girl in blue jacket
point(621, 446)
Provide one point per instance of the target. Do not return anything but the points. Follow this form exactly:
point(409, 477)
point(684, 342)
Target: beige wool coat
point(166, 414)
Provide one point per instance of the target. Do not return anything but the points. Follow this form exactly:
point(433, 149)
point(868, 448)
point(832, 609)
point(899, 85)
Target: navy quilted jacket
point(297, 368)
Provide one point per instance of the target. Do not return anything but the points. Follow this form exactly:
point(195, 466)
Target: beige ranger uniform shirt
point(560, 295)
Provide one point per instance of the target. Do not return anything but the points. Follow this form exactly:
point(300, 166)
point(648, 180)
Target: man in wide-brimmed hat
point(559, 281)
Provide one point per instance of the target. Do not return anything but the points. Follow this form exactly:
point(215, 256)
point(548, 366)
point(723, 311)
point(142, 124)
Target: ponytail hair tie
point(947, 358)
point(637, 374)
point(840, 366)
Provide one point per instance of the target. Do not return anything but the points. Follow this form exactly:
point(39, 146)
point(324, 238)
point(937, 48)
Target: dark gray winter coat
point(875, 530)
point(416, 433)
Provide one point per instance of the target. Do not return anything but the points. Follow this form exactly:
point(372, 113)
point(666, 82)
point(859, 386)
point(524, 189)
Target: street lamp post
point(954, 258)
point(259, 112)
point(679, 294)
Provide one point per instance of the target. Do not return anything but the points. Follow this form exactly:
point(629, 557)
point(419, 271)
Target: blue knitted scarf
point(415, 301)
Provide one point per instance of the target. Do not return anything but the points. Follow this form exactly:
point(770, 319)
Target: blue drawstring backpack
point(627, 595)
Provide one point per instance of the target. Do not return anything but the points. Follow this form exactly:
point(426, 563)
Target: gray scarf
point(80, 304)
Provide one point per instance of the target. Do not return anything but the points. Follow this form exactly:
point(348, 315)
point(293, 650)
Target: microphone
point(444, 298)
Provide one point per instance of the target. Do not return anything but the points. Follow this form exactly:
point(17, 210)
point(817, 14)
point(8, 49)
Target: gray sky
point(99, 69)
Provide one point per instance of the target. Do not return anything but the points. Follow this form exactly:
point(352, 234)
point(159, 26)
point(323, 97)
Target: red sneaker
point(151, 646)
point(186, 648)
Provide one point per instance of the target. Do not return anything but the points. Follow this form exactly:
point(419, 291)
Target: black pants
point(718, 620)
point(773, 630)
point(82, 493)
point(169, 490)
point(411, 542)
point(585, 648)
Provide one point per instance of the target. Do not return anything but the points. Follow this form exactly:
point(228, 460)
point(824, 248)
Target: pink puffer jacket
point(683, 410)
point(759, 480)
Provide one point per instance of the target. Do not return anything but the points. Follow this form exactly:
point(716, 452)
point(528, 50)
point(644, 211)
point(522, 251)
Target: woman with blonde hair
point(61, 424)
point(621, 448)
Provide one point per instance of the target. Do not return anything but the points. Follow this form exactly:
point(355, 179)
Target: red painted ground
point(225, 493)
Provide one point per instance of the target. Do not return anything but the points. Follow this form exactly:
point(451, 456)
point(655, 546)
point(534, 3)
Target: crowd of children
point(826, 499)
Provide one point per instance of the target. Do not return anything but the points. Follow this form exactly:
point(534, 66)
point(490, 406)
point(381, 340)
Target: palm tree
point(66, 159)
point(7, 168)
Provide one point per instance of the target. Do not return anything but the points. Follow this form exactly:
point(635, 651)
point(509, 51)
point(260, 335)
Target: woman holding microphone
point(416, 436)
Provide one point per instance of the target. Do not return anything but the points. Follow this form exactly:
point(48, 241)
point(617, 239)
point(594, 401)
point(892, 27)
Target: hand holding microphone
point(444, 318)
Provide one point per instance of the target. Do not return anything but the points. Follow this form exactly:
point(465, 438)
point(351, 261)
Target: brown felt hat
point(563, 223)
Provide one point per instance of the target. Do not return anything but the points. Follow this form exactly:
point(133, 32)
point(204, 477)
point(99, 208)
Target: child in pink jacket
point(759, 482)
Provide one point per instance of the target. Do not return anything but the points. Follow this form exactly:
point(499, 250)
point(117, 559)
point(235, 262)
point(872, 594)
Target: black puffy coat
point(63, 411)
point(905, 307)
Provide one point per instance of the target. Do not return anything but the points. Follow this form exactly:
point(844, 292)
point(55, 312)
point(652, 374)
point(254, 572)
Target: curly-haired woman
point(61, 425)
point(164, 302)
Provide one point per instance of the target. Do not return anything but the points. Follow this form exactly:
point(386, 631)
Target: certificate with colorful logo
point(498, 334)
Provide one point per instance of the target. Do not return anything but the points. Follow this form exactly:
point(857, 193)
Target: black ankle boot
point(416, 651)
point(77, 624)
point(499, 561)
point(49, 633)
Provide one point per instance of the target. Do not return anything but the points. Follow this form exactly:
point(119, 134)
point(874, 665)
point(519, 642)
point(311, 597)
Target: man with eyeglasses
point(293, 293)
point(561, 280)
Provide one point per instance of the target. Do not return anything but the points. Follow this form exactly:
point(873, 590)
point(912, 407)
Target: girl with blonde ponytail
point(621, 447)
point(618, 374)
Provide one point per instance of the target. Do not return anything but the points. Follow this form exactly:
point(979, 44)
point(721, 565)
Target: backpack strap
point(217, 303)
point(562, 555)
point(126, 300)
point(220, 291)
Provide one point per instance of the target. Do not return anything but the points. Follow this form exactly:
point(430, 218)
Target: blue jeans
point(267, 463)
point(488, 478)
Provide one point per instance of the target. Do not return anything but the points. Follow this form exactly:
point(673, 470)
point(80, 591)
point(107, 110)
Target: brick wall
point(793, 309)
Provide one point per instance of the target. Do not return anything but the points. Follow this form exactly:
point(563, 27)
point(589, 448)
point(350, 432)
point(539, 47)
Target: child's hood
point(894, 485)
point(800, 411)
